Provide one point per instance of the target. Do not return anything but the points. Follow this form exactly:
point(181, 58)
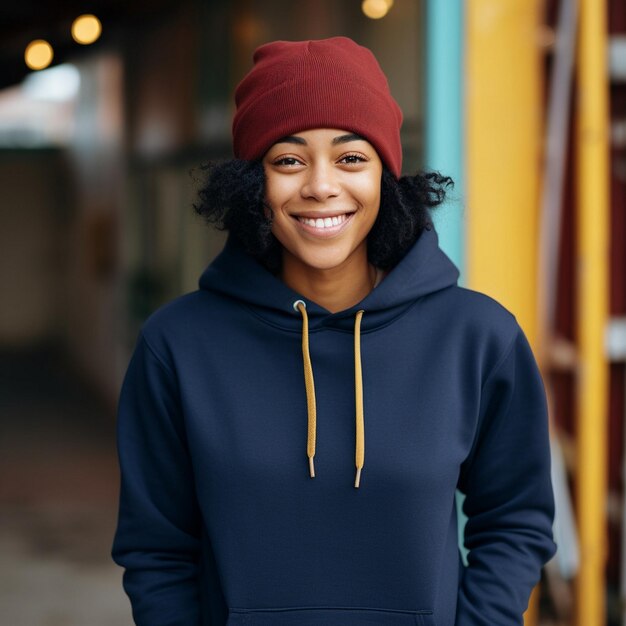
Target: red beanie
point(327, 83)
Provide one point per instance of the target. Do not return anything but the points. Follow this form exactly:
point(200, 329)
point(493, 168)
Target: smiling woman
point(322, 194)
point(331, 310)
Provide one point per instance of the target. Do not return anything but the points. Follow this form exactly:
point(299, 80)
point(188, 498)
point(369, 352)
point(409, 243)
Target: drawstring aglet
point(311, 467)
point(357, 480)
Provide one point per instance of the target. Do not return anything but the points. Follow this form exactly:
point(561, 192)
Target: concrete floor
point(58, 498)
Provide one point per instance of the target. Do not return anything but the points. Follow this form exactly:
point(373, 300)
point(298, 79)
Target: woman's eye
point(287, 161)
point(352, 159)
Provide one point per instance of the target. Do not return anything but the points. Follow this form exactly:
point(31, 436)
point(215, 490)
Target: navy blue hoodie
point(432, 387)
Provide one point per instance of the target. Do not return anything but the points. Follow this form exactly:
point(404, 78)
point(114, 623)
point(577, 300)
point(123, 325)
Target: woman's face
point(323, 187)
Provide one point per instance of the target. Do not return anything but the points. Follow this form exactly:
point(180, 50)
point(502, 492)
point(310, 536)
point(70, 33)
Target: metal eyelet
point(296, 303)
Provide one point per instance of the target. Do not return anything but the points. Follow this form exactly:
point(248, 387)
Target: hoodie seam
point(169, 371)
point(340, 330)
point(156, 355)
point(285, 609)
point(479, 422)
point(500, 362)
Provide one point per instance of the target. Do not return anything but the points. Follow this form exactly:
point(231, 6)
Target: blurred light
point(546, 37)
point(38, 54)
point(58, 84)
point(617, 58)
point(375, 9)
point(618, 134)
point(86, 29)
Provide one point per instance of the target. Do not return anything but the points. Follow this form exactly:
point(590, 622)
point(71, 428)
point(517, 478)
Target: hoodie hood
point(423, 270)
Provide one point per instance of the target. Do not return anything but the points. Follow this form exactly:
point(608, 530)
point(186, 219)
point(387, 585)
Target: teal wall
point(444, 96)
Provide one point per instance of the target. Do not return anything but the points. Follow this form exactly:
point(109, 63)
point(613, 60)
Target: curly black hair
point(232, 198)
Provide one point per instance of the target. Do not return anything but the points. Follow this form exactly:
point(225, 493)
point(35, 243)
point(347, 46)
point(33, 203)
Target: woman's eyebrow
point(346, 138)
point(292, 139)
point(337, 140)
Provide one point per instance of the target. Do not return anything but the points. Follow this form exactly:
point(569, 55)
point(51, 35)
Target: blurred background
point(104, 124)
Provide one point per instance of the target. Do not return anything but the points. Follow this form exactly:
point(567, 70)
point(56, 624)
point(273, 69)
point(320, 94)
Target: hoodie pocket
point(329, 616)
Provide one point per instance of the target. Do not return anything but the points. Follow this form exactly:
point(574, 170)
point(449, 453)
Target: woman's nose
point(321, 183)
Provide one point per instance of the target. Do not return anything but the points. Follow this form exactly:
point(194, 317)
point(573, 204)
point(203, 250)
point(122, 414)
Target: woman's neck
point(335, 289)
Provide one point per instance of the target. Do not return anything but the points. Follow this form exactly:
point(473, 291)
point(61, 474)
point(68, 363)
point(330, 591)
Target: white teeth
point(326, 222)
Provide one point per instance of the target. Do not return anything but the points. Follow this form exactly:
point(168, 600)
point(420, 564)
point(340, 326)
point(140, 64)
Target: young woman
point(292, 434)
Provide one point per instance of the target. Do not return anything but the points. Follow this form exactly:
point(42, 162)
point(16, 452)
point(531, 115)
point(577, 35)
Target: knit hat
point(327, 83)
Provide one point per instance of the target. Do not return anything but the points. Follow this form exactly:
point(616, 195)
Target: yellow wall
point(503, 152)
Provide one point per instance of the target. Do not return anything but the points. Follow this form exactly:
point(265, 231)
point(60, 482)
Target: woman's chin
point(325, 260)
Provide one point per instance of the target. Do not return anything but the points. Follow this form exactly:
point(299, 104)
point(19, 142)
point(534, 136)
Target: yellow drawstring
point(358, 389)
point(309, 384)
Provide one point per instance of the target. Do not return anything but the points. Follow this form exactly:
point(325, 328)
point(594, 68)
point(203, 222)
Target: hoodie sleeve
point(508, 494)
point(158, 534)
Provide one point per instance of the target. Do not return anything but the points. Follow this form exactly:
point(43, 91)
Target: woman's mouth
point(324, 226)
